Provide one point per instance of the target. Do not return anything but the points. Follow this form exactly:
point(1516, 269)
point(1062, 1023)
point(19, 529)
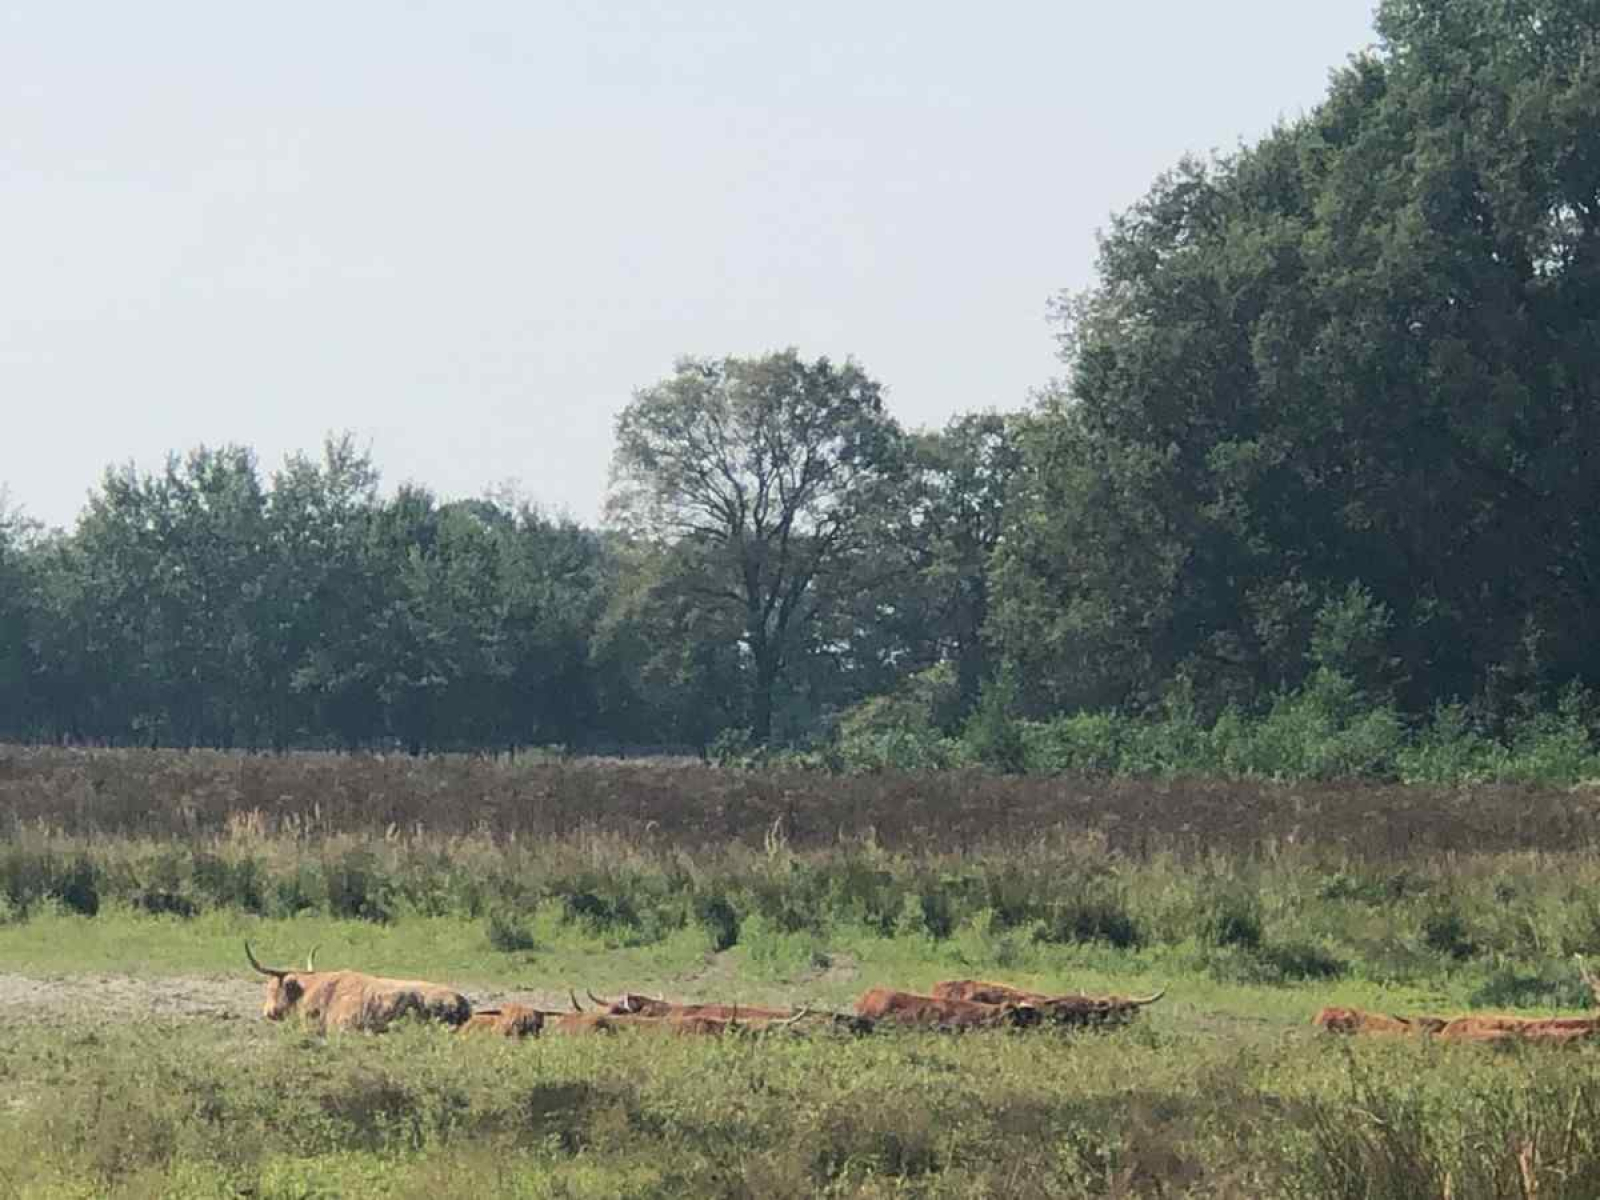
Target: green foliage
point(508, 932)
point(1324, 407)
point(765, 473)
point(993, 735)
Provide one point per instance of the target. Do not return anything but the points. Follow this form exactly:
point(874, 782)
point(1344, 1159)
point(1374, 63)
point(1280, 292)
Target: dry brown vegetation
point(159, 794)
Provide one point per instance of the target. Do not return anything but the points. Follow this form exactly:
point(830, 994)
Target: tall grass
point(312, 797)
point(1503, 925)
point(182, 1111)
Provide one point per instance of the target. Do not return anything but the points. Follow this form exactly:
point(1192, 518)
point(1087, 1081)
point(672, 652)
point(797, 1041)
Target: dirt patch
point(75, 999)
point(68, 999)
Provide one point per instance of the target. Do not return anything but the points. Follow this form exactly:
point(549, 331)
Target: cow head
point(1023, 1014)
point(630, 1005)
point(284, 988)
point(1074, 1010)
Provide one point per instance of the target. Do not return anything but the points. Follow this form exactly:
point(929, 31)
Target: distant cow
point(353, 1000)
point(930, 1012)
point(1553, 1030)
point(631, 1005)
point(509, 1020)
point(1354, 1020)
point(1066, 1009)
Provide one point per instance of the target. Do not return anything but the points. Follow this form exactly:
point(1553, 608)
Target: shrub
point(508, 933)
point(1552, 985)
point(1083, 742)
point(1092, 918)
point(1449, 750)
point(1444, 930)
point(1299, 960)
point(719, 919)
point(1234, 919)
point(356, 886)
point(993, 736)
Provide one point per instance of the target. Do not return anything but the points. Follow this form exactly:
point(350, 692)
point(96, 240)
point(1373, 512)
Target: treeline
point(209, 605)
point(1326, 444)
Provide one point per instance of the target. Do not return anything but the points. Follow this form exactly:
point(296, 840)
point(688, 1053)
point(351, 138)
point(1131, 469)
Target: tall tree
point(18, 648)
point(765, 470)
point(958, 486)
point(1363, 351)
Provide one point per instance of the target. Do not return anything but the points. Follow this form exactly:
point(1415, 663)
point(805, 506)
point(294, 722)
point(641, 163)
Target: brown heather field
point(182, 794)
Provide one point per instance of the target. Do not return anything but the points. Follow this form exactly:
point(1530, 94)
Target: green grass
point(1253, 914)
point(1171, 1108)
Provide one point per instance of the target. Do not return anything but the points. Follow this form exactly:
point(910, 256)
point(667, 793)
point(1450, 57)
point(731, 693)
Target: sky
point(466, 232)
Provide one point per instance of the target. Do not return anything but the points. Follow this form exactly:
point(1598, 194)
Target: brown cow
point(631, 1011)
point(509, 1020)
point(630, 1005)
point(1066, 1009)
point(1354, 1020)
point(1552, 1030)
point(582, 1023)
point(354, 1000)
point(930, 1012)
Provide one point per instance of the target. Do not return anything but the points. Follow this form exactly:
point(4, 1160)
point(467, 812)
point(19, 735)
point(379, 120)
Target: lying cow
point(1354, 1020)
point(930, 1012)
point(1058, 1010)
point(509, 1020)
point(631, 1011)
point(353, 1000)
point(754, 1016)
point(631, 1005)
point(1552, 1030)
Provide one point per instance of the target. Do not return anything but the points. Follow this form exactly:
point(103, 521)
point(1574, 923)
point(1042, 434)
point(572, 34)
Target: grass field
point(134, 1062)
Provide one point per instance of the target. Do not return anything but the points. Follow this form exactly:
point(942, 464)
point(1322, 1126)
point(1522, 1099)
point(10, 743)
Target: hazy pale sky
point(466, 231)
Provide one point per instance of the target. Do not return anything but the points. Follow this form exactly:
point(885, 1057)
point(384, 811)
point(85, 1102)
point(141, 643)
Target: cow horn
point(790, 1022)
point(264, 970)
point(573, 996)
point(311, 960)
point(1136, 1002)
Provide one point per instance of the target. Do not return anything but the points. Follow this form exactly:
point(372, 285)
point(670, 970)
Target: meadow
point(129, 878)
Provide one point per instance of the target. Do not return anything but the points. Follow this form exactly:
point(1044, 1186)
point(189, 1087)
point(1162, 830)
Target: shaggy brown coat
point(930, 1012)
point(509, 1020)
point(355, 1000)
point(1065, 1009)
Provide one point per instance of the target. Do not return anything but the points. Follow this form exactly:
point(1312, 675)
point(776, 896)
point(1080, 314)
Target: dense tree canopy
point(767, 474)
point(1363, 351)
point(1330, 420)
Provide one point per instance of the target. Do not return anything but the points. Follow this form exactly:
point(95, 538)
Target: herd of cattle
point(353, 1000)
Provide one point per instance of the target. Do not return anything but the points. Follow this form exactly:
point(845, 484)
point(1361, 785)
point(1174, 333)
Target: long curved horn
point(790, 1022)
point(606, 1004)
point(311, 960)
point(259, 967)
point(1140, 1003)
point(573, 996)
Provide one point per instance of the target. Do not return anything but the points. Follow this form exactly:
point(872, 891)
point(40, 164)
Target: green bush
point(1448, 749)
point(1088, 742)
point(719, 919)
point(1445, 930)
point(508, 933)
point(1301, 960)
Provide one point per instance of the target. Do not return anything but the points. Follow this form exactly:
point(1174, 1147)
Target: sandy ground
point(72, 999)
